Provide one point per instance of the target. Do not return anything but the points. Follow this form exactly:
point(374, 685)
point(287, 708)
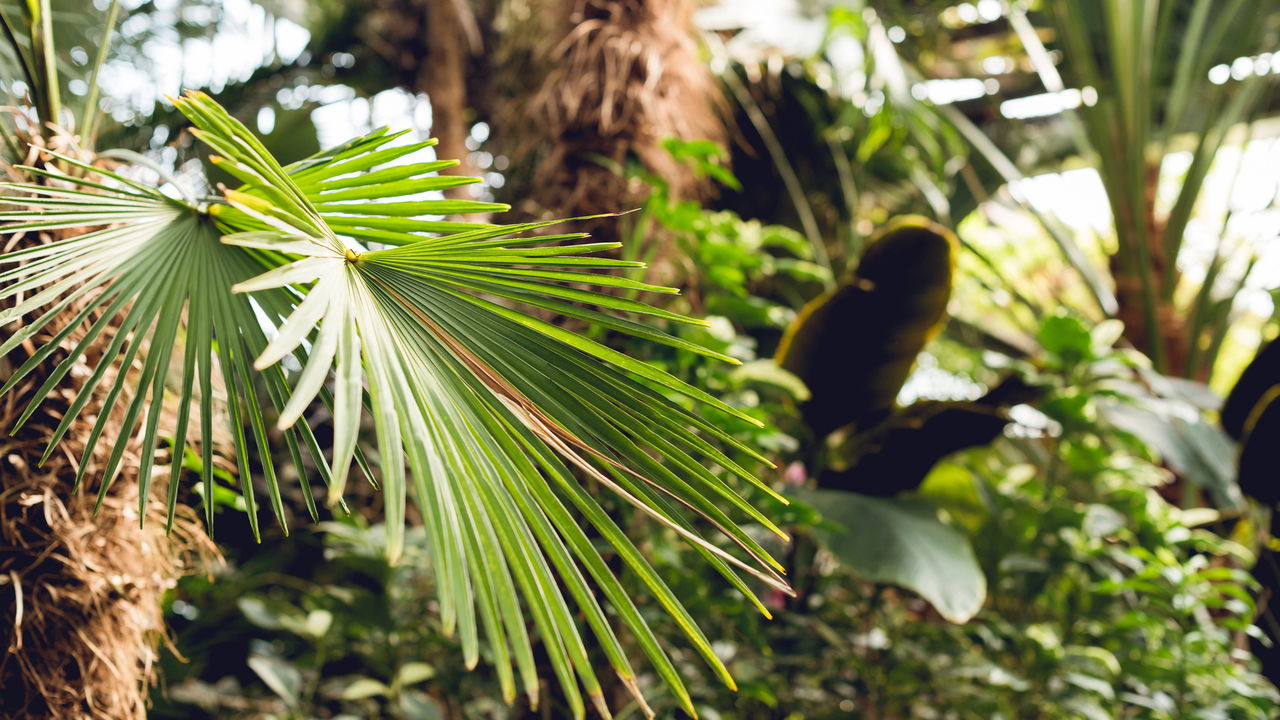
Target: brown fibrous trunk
point(625, 76)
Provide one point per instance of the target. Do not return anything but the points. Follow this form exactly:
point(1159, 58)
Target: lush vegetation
point(847, 417)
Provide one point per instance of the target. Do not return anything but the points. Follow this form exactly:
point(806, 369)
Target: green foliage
point(1099, 588)
point(753, 272)
point(607, 441)
point(488, 441)
point(161, 255)
point(1165, 414)
point(1149, 63)
point(1096, 560)
point(349, 640)
point(1104, 600)
point(900, 541)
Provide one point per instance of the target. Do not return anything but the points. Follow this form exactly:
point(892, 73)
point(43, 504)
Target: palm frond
point(489, 417)
point(142, 262)
point(150, 285)
point(490, 411)
point(372, 190)
point(141, 265)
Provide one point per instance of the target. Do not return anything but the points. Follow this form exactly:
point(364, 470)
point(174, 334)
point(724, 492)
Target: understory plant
point(1104, 599)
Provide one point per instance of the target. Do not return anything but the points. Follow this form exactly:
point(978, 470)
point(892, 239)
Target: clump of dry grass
point(626, 75)
point(80, 596)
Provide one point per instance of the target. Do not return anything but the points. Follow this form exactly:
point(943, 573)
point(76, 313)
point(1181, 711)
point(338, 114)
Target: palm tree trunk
point(624, 75)
point(444, 78)
point(429, 46)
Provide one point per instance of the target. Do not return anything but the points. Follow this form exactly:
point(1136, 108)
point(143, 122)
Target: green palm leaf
point(372, 168)
point(149, 291)
point(144, 265)
point(487, 416)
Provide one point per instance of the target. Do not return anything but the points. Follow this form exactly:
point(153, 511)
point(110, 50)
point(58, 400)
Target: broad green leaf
point(1201, 453)
point(283, 678)
point(901, 541)
point(414, 672)
point(361, 688)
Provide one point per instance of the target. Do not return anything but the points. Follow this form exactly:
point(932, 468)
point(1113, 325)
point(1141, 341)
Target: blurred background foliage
point(1011, 494)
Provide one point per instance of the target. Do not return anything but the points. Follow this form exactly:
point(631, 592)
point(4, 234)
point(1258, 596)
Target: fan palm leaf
point(489, 417)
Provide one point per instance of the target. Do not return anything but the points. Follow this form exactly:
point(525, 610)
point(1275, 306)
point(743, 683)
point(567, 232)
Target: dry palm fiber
point(626, 76)
point(80, 596)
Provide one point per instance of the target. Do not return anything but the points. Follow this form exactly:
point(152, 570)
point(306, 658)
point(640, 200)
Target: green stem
point(1061, 236)
point(849, 190)
point(1182, 671)
point(1204, 295)
point(23, 61)
point(49, 101)
point(89, 122)
point(1221, 322)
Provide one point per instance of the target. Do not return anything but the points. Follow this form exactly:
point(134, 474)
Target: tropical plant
point(219, 636)
point(1149, 63)
point(1162, 88)
point(854, 347)
point(490, 417)
point(1101, 561)
point(83, 583)
point(1098, 587)
point(347, 639)
point(1152, 94)
point(835, 125)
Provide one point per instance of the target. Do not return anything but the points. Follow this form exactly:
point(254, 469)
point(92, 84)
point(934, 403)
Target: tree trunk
point(621, 77)
point(428, 47)
point(1167, 344)
point(444, 78)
